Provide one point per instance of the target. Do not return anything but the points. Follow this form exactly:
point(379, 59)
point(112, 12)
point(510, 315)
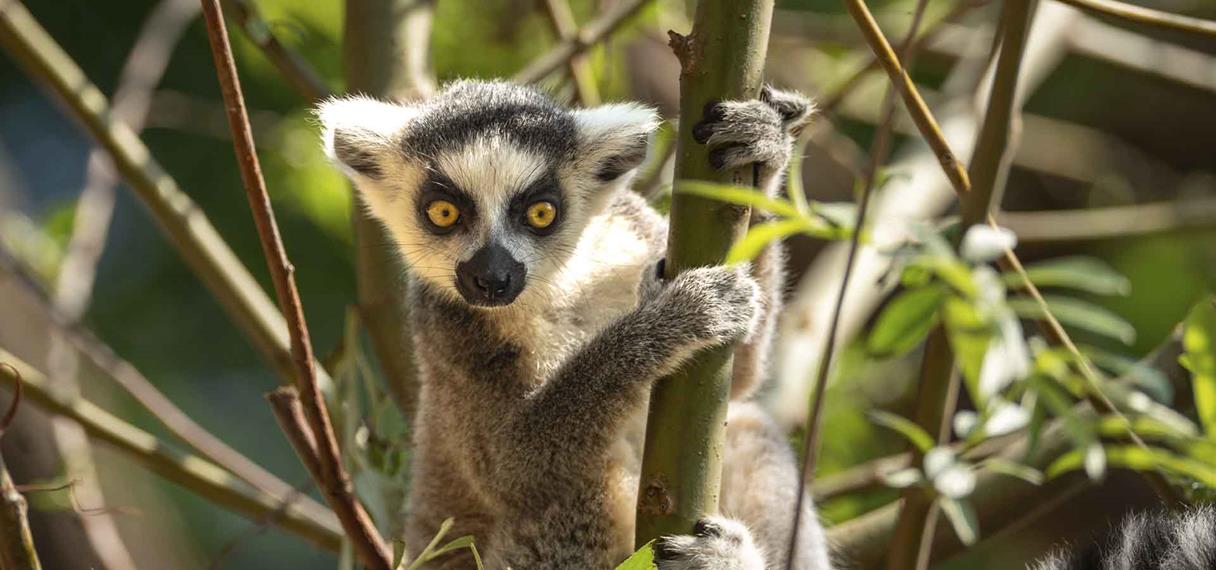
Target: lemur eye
point(541, 215)
point(443, 213)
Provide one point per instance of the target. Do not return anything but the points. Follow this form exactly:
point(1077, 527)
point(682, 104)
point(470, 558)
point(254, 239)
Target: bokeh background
point(1122, 122)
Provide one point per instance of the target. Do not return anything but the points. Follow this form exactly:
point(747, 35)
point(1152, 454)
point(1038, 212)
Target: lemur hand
point(740, 133)
point(710, 306)
point(715, 544)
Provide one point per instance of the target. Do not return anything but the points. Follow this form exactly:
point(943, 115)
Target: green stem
point(723, 58)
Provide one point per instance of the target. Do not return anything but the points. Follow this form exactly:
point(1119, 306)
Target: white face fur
point(485, 190)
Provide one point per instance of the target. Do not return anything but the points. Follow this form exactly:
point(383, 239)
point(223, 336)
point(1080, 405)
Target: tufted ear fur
point(612, 139)
point(360, 133)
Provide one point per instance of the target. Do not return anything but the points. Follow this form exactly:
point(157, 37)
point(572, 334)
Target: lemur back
point(540, 322)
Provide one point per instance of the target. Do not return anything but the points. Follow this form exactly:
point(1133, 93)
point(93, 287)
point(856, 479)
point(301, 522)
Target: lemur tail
point(1149, 541)
point(752, 359)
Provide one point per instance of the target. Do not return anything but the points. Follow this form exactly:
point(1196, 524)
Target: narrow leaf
point(905, 322)
point(970, 336)
point(1078, 314)
point(761, 235)
point(1140, 459)
point(912, 432)
point(1199, 345)
point(962, 517)
point(1014, 469)
point(1080, 273)
point(643, 559)
point(741, 195)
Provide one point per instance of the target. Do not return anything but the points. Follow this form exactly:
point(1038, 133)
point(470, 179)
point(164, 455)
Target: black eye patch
point(439, 187)
point(544, 189)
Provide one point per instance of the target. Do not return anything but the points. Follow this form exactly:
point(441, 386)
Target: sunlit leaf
point(741, 195)
point(1139, 459)
point(905, 322)
point(1078, 314)
point(912, 432)
point(643, 559)
point(1014, 469)
point(793, 175)
point(970, 336)
point(962, 518)
point(1080, 273)
point(1199, 345)
point(760, 235)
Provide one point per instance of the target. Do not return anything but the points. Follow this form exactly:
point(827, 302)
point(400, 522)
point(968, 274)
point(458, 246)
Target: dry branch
point(190, 471)
point(1111, 222)
point(592, 33)
point(186, 226)
point(16, 542)
point(1142, 16)
point(562, 20)
point(333, 479)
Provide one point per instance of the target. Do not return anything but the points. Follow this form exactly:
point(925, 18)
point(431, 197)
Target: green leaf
point(969, 335)
point(741, 195)
point(962, 518)
point(1199, 356)
point(905, 322)
point(1080, 273)
point(761, 235)
point(793, 175)
point(1078, 314)
point(1139, 459)
point(1014, 469)
point(912, 432)
point(643, 559)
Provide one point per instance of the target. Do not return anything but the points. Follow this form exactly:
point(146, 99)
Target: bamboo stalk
point(184, 223)
point(333, 479)
point(192, 472)
point(723, 58)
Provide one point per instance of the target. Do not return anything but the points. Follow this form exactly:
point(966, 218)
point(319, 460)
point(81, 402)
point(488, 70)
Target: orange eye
point(442, 213)
point(541, 215)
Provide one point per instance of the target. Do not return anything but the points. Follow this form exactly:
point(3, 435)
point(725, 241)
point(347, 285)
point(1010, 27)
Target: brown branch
point(192, 472)
point(334, 481)
point(16, 542)
point(285, 403)
point(1146, 16)
point(11, 413)
point(1111, 222)
point(291, 65)
point(591, 34)
point(562, 19)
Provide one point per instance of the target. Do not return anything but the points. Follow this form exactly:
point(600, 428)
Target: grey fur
point(531, 416)
point(1148, 541)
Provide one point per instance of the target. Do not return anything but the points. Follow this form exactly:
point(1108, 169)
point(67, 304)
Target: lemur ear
point(360, 133)
point(613, 138)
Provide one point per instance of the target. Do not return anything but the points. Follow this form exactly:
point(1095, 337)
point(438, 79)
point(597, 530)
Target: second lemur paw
point(715, 305)
point(740, 133)
point(715, 544)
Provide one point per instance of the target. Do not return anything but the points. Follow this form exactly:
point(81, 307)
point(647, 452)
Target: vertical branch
point(335, 482)
point(16, 542)
point(386, 52)
point(562, 20)
point(723, 58)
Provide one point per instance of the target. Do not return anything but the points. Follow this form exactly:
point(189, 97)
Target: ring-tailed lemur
point(540, 324)
point(1148, 541)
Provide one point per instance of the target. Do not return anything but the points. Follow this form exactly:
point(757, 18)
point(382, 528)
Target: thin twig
point(11, 413)
point(562, 20)
point(184, 223)
point(16, 542)
point(1146, 16)
point(188, 470)
point(591, 34)
point(125, 375)
point(1113, 222)
point(915, 104)
point(291, 65)
point(333, 479)
point(878, 155)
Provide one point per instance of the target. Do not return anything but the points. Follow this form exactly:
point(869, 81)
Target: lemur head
point(487, 186)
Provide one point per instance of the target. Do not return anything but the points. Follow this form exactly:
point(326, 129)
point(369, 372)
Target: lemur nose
point(493, 285)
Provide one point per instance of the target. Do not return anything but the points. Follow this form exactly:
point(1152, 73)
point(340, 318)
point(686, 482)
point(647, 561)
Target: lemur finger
point(794, 108)
point(765, 152)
